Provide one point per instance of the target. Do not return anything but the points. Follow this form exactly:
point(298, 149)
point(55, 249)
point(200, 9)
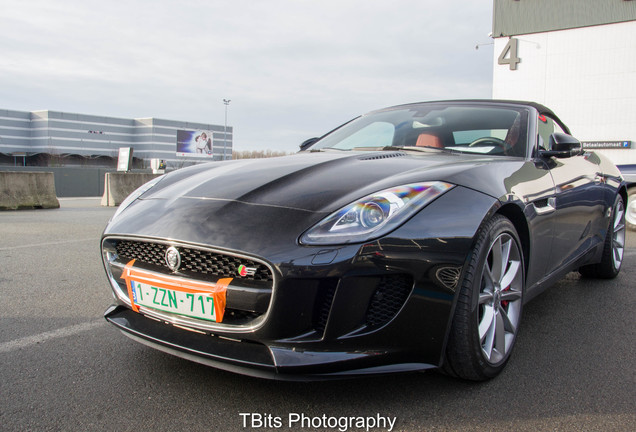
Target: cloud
point(293, 68)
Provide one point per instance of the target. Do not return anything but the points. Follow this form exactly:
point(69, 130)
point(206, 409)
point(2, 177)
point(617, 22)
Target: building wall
point(586, 75)
point(15, 130)
point(56, 132)
point(61, 133)
point(517, 17)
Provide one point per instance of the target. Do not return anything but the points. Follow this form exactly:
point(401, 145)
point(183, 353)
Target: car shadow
point(560, 369)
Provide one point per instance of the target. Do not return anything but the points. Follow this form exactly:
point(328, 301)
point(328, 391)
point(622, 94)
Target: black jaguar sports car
point(409, 238)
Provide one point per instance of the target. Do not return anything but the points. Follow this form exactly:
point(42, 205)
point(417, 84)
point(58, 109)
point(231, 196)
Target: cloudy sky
point(293, 69)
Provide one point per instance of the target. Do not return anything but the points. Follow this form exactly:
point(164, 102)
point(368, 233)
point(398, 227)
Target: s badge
point(246, 271)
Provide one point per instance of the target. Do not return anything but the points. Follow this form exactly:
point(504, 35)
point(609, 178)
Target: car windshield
point(494, 130)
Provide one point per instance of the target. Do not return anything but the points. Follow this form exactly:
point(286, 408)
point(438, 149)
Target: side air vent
point(323, 304)
point(448, 277)
point(388, 299)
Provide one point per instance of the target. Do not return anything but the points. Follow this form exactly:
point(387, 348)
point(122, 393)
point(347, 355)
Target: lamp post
point(226, 102)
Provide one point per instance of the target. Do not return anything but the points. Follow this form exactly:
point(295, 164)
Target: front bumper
point(250, 358)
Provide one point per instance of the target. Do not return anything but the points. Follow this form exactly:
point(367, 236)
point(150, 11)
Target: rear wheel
point(630, 212)
point(488, 310)
point(612, 259)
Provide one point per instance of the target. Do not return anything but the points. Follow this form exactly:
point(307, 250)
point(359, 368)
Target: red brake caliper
point(504, 303)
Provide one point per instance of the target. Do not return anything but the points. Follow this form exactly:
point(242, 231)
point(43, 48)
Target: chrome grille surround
point(111, 262)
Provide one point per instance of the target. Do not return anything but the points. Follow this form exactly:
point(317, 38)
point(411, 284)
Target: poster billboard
point(197, 143)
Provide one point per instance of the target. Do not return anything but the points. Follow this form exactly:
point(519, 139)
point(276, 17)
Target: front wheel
point(488, 310)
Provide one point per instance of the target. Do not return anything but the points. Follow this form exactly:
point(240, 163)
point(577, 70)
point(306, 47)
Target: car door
point(578, 203)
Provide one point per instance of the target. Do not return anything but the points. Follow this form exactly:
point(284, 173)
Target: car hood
point(322, 182)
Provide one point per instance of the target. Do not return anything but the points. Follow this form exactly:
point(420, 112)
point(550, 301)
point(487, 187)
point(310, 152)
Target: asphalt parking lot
point(62, 367)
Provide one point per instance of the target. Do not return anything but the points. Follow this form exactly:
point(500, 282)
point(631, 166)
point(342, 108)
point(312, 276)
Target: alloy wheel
point(618, 236)
point(630, 213)
point(500, 298)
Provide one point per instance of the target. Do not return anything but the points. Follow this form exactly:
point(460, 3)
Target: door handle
point(549, 207)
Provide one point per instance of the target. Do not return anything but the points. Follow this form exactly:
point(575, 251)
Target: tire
point(630, 212)
point(613, 248)
point(488, 310)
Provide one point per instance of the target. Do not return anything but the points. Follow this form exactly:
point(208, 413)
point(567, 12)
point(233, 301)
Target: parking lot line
point(95, 239)
point(28, 341)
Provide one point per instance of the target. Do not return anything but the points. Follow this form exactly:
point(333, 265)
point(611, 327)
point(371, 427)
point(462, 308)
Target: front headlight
point(374, 215)
point(136, 194)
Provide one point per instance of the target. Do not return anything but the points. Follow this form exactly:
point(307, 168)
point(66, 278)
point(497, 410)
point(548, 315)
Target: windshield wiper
point(324, 149)
point(413, 148)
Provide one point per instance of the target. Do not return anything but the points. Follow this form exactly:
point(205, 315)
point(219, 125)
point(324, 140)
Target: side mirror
point(306, 144)
point(563, 146)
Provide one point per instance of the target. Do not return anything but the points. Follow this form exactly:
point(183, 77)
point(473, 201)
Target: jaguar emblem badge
point(173, 258)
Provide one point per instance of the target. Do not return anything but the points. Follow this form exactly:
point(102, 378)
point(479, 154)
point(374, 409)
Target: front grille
point(193, 260)
point(248, 296)
point(149, 253)
point(388, 299)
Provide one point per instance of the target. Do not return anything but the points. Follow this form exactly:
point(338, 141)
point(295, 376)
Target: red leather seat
point(428, 140)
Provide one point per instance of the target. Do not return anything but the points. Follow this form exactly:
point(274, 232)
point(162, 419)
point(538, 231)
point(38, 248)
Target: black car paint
point(629, 173)
point(264, 206)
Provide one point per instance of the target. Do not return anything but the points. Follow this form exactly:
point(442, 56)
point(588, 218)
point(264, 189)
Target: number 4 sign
point(510, 50)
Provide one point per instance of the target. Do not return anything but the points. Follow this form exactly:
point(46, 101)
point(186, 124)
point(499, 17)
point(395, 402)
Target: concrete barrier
point(27, 190)
point(118, 185)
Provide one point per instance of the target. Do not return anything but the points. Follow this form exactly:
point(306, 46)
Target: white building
point(578, 57)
